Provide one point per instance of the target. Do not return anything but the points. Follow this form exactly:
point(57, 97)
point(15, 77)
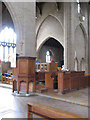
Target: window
point(8, 45)
point(48, 57)
point(79, 9)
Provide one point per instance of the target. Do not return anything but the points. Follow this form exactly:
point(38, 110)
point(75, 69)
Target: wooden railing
point(41, 66)
point(46, 67)
point(48, 112)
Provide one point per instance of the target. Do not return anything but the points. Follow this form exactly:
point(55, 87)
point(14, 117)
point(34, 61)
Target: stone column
point(89, 39)
point(67, 35)
point(23, 14)
point(0, 31)
point(0, 16)
point(28, 30)
point(24, 22)
point(72, 58)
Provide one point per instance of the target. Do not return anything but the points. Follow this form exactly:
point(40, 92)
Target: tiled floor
point(16, 107)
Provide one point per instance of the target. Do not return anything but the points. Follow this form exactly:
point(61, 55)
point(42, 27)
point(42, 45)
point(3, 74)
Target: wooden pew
point(7, 78)
point(48, 112)
point(4, 78)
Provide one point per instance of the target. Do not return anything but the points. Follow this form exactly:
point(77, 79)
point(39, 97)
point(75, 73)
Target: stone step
point(42, 90)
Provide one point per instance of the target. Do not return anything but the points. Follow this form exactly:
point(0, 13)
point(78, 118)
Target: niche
point(76, 64)
point(82, 64)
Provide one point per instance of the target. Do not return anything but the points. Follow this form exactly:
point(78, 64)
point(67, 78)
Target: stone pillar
point(24, 22)
point(28, 23)
point(67, 35)
point(89, 40)
point(0, 16)
point(72, 58)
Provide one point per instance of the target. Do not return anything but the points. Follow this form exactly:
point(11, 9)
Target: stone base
point(23, 94)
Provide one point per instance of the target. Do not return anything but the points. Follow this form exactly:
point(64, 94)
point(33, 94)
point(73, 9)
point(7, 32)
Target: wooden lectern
point(24, 72)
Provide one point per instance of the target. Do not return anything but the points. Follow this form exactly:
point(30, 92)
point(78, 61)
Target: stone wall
point(23, 16)
point(50, 24)
point(67, 26)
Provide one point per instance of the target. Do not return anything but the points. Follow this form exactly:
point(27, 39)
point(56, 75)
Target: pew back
point(48, 112)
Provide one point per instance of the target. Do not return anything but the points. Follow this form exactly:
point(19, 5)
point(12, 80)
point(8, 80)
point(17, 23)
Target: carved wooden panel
point(23, 67)
point(24, 72)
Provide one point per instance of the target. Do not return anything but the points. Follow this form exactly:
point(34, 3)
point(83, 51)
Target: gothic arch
point(81, 39)
point(13, 14)
point(43, 44)
point(58, 34)
point(84, 33)
point(43, 22)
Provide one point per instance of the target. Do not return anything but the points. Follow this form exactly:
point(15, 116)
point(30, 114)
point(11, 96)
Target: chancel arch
point(56, 51)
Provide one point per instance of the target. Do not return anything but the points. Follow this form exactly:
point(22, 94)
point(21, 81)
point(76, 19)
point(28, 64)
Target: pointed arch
point(81, 39)
point(44, 42)
point(50, 27)
point(16, 22)
point(44, 20)
point(85, 35)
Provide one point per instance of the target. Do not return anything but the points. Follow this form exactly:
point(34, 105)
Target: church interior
point(44, 59)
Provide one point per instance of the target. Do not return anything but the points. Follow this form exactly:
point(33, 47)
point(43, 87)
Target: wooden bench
point(48, 112)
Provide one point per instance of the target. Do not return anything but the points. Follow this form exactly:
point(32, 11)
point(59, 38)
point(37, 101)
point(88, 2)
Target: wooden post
point(29, 113)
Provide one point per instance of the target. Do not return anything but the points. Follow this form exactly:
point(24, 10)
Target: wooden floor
point(16, 107)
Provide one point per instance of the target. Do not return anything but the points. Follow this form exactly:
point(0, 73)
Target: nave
point(16, 107)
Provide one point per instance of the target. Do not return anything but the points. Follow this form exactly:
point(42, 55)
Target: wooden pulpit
point(24, 72)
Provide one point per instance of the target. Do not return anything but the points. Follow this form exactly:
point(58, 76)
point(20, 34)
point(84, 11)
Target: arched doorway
point(55, 52)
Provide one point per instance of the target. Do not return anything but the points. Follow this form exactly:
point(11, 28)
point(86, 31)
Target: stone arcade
point(46, 31)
